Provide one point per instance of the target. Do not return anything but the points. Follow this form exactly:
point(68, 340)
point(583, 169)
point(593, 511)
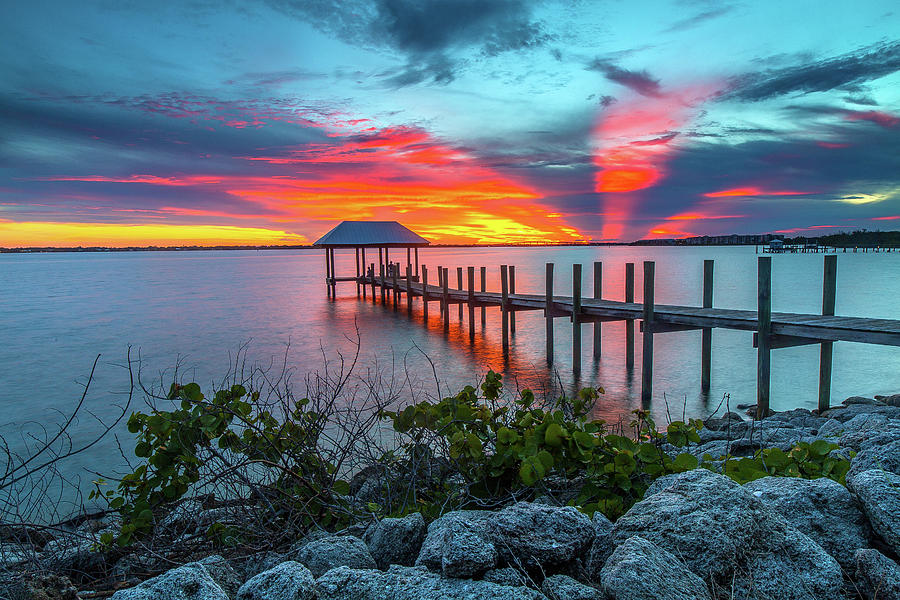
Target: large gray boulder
point(877, 576)
point(641, 570)
point(601, 548)
point(821, 508)
point(885, 457)
point(327, 553)
point(412, 583)
point(288, 581)
point(396, 541)
point(725, 533)
point(563, 587)
point(879, 493)
point(188, 582)
point(457, 544)
point(536, 535)
point(222, 573)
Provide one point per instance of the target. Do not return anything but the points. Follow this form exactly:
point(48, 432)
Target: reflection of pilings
point(483, 289)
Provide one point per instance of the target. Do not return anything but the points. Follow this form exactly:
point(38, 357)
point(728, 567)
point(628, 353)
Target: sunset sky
point(175, 123)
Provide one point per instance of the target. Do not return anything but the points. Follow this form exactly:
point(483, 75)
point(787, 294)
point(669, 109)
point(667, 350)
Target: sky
point(126, 123)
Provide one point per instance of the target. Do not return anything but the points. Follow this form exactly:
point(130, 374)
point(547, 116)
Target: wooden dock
point(771, 330)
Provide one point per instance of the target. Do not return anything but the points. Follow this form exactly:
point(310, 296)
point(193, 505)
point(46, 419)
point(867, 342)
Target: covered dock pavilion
point(360, 235)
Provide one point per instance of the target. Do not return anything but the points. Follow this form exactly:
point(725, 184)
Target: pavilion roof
point(371, 233)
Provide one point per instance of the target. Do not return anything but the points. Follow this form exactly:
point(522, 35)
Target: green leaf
point(341, 487)
point(554, 435)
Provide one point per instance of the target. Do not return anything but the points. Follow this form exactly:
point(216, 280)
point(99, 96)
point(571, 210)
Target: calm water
point(58, 311)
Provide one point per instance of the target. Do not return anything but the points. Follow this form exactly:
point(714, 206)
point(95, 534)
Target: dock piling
point(512, 290)
point(829, 287)
point(548, 313)
point(459, 286)
point(445, 298)
point(598, 290)
point(647, 337)
point(409, 295)
point(483, 289)
point(764, 329)
point(504, 305)
point(470, 272)
point(576, 318)
point(425, 293)
point(629, 323)
point(706, 343)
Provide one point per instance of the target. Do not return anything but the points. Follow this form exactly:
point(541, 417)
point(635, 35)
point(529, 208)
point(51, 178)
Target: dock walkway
point(771, 330)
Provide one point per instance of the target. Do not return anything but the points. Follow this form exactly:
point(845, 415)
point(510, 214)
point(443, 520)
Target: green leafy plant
point(234, 428)
point(501, 450)
point(806, 460)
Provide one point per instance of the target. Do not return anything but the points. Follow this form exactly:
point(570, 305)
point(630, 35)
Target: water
point(60, 310)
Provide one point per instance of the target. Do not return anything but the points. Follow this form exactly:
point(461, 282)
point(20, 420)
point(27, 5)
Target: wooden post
point(357, 270)
point(829, 286)
point(381, 274)
point(396, 287)
point(548, 313)
point(512, 290)
point(629, 323)
point(417, 261)
point(372, 269)
point(327, 272)
point(409, 259)
point(647, 355)
point(504, 299)
point(333, 283)
point(459, 286)
point(445, 300)
point(470, 272)
point(598, 291)
point(441, 285)
point(363, 263)
point(425, 293)
point(409, 296)
point(576, 318)
point(764, 329)
point(483, 289)
point(706, 342)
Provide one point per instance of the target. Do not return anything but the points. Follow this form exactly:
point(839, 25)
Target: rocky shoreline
point(694, 535)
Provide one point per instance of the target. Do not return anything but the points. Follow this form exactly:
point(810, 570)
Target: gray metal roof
point(371, 233)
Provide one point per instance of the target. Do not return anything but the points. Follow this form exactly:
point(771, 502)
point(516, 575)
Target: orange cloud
point(634, 138)
point(753, 191)
point(398, 173)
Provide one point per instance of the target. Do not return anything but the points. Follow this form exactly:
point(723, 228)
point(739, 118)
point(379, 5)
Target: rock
point(724, 532)
point(601, 548)
point(188, 582)
point(879, 493)
point(862, 400)
point(723, 422)
point(288, 581)
point(335, 551)
point(506, 576)
point(821, 508)
point(879, 457)
point(13, 555)
point(859, 440)
point(248, 566)
point(877, 576)
point(442, 532)
point(75, 556)
point(37, 587)
point(848, 413)
point(138, 566)
point(641, 570)
point(412, 583)
point(396, 541)
point(467, 554)
point(535, 535)
point(563, 587)
point(222, 573)
point(893, 400)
